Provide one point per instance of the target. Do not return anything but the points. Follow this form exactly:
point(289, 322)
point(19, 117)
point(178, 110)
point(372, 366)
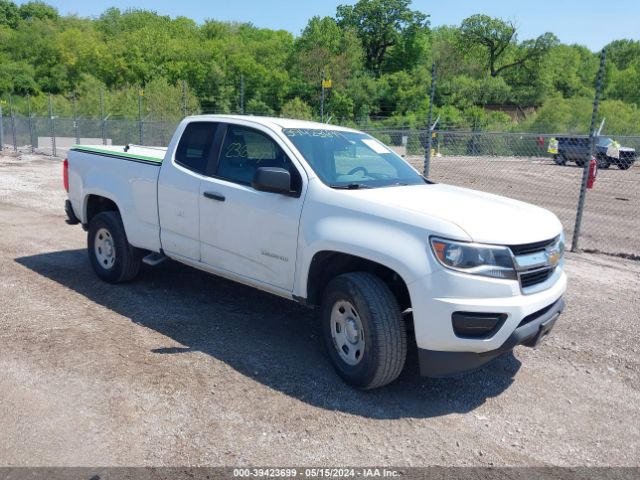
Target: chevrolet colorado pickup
point(331, 218)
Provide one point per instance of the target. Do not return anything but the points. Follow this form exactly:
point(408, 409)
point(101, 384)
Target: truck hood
point(484, 217)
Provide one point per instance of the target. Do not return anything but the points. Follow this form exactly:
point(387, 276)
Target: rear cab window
point(194, 149)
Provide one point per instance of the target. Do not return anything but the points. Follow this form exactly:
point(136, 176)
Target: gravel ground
point(184, 368)
point(610, 222)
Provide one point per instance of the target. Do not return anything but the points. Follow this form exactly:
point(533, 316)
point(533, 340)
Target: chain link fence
point(524, 167)
point(549, 170)
point(518, 165)
point(54, 136)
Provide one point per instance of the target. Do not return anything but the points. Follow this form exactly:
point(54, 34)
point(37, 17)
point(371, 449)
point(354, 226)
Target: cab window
point(244, 150)
point(195, 147)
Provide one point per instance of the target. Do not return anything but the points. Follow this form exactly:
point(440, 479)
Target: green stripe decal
point(115, 153)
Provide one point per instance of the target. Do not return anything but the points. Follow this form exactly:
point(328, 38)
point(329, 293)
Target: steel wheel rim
point(347, 332)
point(104, 248)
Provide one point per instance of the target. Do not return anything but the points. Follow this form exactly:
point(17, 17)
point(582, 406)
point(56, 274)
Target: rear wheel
point(624, 164)
point(112, 257)
point(363, 329)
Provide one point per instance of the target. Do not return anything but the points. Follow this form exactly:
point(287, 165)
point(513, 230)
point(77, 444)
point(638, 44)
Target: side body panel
point(335, 220)
point(252, 233)
point(130, 184)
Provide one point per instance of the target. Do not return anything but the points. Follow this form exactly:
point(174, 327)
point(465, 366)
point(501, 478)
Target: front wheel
point(363, 330)
point(603, 161)
point(559, 159)
point(112, 257)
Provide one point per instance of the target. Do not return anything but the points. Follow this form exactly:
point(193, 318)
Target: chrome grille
point(534, 269)
point(529, 279)
point(532, 247)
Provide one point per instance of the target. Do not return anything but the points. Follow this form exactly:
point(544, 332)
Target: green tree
point(37, 10)
point(297, 108)
point(382, 25)
point(623, 53)
point(499, 40)
point(9, 15)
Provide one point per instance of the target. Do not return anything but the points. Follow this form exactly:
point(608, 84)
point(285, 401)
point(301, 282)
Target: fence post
point(322, 97)
point(587, 161)
point(184, 98)
point(76, 126)
point(103, 121)
point(52, 127)
point(1, 128)
point(13, 124)
point(31, 142)
point(241, 94)
point(140, 121)
point(427, 153)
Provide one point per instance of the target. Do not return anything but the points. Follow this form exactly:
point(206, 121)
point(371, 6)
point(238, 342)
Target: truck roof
point(277, 122)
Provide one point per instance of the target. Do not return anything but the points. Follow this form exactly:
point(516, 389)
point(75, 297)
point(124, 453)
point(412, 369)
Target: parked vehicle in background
point(606, 151)
point(331, 218)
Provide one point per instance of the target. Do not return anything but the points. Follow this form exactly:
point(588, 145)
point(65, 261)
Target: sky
point(586, 22)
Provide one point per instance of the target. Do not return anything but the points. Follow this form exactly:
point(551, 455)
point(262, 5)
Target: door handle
point(214, 196)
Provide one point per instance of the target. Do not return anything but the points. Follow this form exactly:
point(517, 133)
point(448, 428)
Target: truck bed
point(129, 152)
point(127, 175)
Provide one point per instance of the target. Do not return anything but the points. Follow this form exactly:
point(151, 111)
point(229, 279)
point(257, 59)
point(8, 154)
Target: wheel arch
point(327, 264)
point(95, 203)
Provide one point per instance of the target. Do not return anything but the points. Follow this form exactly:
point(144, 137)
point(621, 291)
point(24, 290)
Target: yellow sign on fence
point(327, 84)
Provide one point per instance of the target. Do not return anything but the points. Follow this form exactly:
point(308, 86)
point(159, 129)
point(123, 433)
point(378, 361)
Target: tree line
point(377, 54)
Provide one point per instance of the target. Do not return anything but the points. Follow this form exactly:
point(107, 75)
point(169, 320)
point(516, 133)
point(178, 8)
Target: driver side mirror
point(272, 179)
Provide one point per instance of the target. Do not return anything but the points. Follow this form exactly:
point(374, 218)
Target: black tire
point(580, 163)
point(384, 333)
point(560, 159)
point(603, 161)
point(128, 259)
point(625, 164)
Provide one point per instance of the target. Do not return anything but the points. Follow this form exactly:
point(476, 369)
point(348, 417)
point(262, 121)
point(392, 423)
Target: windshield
point(604, 141)
point(351, 159)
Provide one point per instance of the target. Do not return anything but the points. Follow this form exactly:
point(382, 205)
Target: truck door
point(247, 232)
point(179, 190)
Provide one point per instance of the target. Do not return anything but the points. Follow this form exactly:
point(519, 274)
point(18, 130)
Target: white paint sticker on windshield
point(375, 145)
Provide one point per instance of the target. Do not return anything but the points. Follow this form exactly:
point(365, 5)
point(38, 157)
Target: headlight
point(475, 259)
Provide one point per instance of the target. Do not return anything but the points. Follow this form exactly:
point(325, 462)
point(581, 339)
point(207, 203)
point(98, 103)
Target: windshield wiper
point(398, 184)
point(350, 186)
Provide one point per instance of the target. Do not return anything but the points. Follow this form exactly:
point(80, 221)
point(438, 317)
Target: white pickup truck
point(331, 218)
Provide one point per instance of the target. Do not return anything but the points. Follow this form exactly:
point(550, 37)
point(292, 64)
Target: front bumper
point(531, 330)
point(437, 296)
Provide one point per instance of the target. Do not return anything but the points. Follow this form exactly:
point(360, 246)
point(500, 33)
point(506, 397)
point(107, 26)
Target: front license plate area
point(545, 328)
